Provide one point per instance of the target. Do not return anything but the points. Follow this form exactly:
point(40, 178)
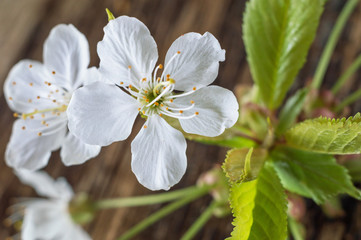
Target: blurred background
point(24, 26)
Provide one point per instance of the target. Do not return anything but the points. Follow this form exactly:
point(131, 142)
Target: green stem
point(163, 212)
point(331, 44)
point(347, 101)
point(346, 75)
point(146, 200)
point(199, 223)
point(297, 230)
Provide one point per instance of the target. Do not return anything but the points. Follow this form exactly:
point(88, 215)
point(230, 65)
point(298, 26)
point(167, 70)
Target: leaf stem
point(346, 75)
point(331, 43)
point(164, 212)
point(347, 101)
point(147, 200)
point(199, 223)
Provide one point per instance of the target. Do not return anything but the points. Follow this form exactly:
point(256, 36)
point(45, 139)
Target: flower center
point(51, 103)
point(156, 95)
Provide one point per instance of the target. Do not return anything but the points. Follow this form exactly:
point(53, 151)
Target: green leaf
point(222, 140)
point(259, 207)
point(244, 164)
point(290, 111)
point(354, 169)
point(277, 36)
point(325, 135)
point(312, 175)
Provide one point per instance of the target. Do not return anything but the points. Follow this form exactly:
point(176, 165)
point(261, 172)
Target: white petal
point(45, 220)
point(27, 150)
point(158, 155)
point(92, 75)
point(100, 114)
point(74, 151)
point(127, 42)
point(75, 232)
point(66, 52)
point(45, 185)
point(198, 61)
point(217, 108)
point(24, 84)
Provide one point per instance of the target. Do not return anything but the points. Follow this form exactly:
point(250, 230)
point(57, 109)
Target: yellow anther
point(164, 88)
point(129, 67)
point(23, 127)
point(49, 84)
point(139, 109)
point(160, 114)
point(31, 117)
point(43, 115)
point(53, 72)
point(160, 66)
point(43, 122)
point(10, 98)
point(144, 79)
point(166, 108)
point(47, 125)
point(38, 97)
point(30, 100)
point(31, 84)
point(196, 113)
point(194, 88)
point(158, 79)
point(144, 97)
point(147, 100)
point(145, 91)
point(192, 101)
point(130, 86)
point(171, 100)
point(15, 115)
point(39, 134)
point(156, 103)
point(180, 111)
point(30, 66)
point(143, 112)
point(58, 114)
point(168, 75)
point(54, 101)
point(46, 82)
point(14, 83)
point(145, 126)
point(178, 52)
point(162, 105)
point(121, 83)
point(57, 90)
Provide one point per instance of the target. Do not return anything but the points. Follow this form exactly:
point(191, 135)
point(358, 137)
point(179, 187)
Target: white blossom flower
point(39, 94)
point(46, 218)
point(103, 113)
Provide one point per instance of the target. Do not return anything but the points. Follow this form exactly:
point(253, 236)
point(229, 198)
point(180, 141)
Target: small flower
point(39, 95)
point(104, 113)
point(46, 218)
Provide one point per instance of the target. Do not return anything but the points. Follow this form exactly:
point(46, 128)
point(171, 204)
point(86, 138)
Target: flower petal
point(127, 42)
point(74, 151)
point(45, 220)
point(45, 185)
point(100, 114)
point(217, 110)
point(158, 155)
point(198, 62)
point(24, 84)
point(66, 55)
point(27, 150)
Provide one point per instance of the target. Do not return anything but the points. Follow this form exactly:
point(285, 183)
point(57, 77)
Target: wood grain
point(24, 26)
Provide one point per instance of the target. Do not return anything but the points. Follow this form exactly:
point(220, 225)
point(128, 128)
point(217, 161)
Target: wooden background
point(25, 24)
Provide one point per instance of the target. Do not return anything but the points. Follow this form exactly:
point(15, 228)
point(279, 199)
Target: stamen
point(159, 96)
point(15, 115)
point(23, 127)
point(14, 83)
point(31, 84)
point(170, 114)
point(160, 66)
point(10, 98)
point(145, 126)
point(39, 134)
point(171, 60)
point(62, 108)
point(30, 66)
point(53, 72)
point(182, 109)
point(182, 94)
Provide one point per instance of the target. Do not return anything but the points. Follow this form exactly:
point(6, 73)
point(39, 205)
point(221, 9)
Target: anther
point(160, 114)
point(144, 79)
point(196, 113)
point(31, 84)
point(54, 101)
point(194, 88)
point(38, 97)
point(39, 134)
point(156, 103)
point(162, 105)
point(147, 100)
point(53, 72)
point(139, 109)
point(30, 66)
point(43, 115)
point(30, 100)
point(130, 86)
point(192, 101)
point(49, 84)
point(121, 83)
point(145, 91)
point(144, 97)
point(158, 79)
point(178, 52)
point(145, 126)
point(23, 127)
point(180, 111)
point(168, 75)
point(143, 112)
point(171, 100)
point(160, 66)
point(31, 117)
point(129, 67)
point(16, 115)
point(10, 98)
point(14, 83)
point(57, 90)
point(43, 122)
